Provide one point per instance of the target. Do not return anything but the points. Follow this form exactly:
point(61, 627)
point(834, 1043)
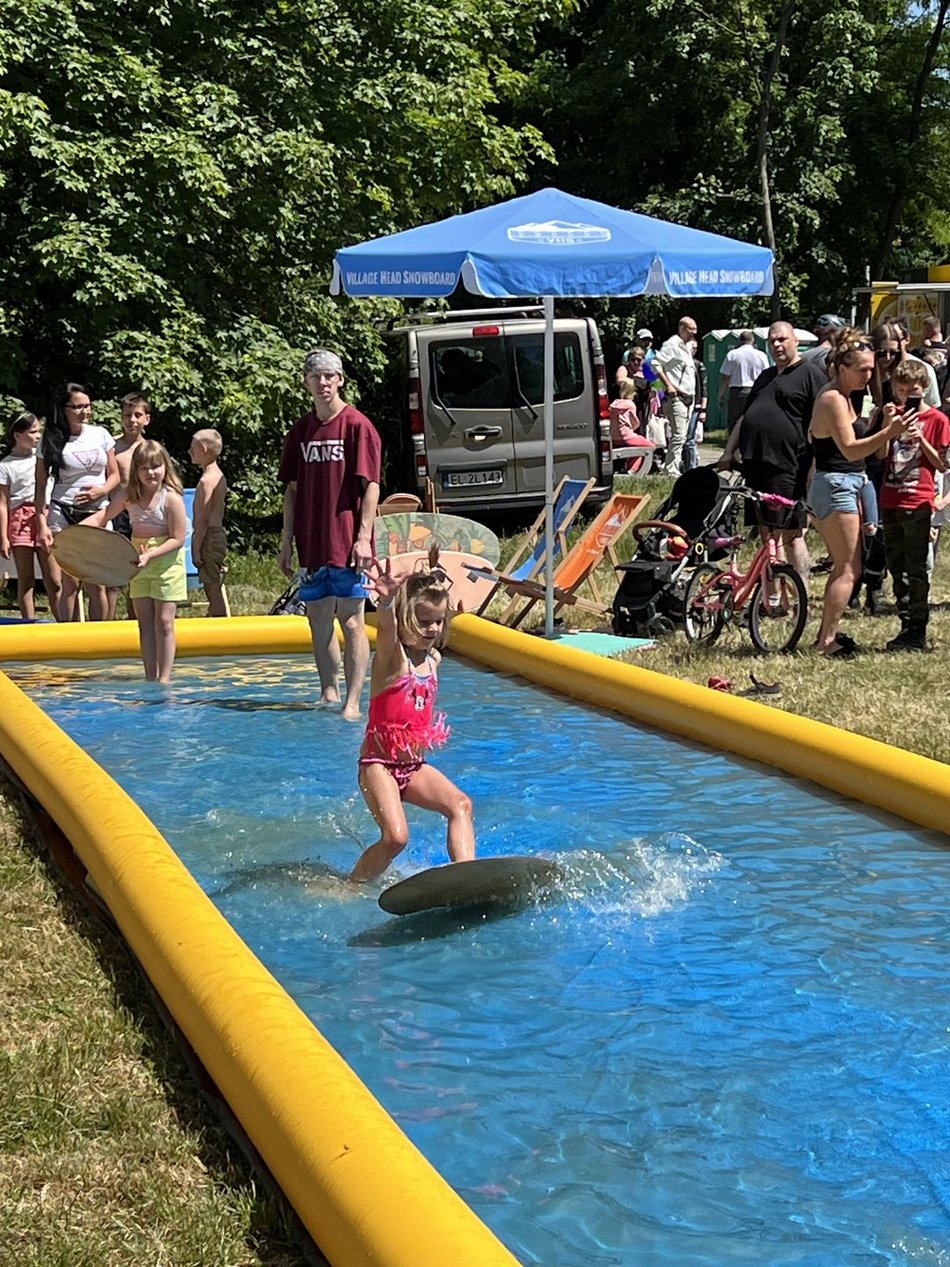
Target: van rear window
point(477, 374)
point(471, 374)
point(568, 366)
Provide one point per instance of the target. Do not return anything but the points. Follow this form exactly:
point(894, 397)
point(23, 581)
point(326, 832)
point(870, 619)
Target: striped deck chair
point(529, 559)
point(576, 568)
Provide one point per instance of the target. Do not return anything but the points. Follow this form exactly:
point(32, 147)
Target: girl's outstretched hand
point(384, 585)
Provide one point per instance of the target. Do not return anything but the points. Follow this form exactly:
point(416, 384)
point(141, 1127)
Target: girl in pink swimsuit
point(402, 726)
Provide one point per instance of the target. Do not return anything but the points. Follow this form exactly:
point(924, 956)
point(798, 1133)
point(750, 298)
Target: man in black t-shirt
point(772, 435)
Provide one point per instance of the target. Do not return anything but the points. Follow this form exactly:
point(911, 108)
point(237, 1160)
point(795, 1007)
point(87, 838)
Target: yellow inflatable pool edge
point(364, 1192)
point(904, 783)
point(119, 639)
point(360, 1187)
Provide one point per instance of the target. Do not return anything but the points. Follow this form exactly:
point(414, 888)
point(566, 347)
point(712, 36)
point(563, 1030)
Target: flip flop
point(719, 684)
point(761, 688)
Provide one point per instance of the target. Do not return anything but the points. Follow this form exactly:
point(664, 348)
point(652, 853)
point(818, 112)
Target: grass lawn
point(107, 1152)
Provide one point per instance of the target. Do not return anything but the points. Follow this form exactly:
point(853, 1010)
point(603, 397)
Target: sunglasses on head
point(858, 345)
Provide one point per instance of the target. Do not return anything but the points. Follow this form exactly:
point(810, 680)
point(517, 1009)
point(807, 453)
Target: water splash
point(644, 877)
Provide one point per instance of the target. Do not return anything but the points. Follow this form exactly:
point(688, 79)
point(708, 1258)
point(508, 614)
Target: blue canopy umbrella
point(552, 244)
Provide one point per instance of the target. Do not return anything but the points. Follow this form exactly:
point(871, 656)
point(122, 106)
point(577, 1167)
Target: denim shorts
point(836, 491)
point(332, 583)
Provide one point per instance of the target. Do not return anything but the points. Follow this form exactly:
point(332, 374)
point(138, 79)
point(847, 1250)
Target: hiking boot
point(912, 637)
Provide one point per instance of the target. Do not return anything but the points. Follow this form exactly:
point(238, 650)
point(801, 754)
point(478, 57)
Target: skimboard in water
point(508, 881)
point(96, 555)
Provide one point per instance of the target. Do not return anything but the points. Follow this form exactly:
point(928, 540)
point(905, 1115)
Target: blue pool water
point(724, 1041)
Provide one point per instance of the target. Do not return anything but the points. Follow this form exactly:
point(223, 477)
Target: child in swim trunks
point(402, 726)
point(159, 525)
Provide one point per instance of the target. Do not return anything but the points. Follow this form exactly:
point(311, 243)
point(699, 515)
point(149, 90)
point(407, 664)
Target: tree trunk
point(762, 149)
point(905, 167)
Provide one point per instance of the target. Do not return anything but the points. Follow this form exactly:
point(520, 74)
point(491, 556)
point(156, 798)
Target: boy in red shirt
point(331, 466)
point(907, 501)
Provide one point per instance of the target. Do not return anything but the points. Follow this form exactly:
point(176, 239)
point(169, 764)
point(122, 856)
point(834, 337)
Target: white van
point(474, 399)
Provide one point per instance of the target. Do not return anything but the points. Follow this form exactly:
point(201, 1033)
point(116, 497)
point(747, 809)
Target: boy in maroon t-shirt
point(331, 466)
point(907, 501)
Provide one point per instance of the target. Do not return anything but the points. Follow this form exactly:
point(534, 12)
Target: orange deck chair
point(576, 569)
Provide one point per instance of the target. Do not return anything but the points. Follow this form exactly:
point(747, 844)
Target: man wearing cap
point(825, 327)
point(741, 366)
point(331, 466)
point(674, 366)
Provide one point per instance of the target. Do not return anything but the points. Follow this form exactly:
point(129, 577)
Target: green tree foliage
point(175, 176)
point(656, 106)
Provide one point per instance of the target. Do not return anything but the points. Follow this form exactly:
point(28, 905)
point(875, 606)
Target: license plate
point(462, 479)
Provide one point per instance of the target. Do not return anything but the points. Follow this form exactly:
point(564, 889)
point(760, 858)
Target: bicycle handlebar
point(770, 499)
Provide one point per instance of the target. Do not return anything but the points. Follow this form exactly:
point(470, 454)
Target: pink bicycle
point(772, 594)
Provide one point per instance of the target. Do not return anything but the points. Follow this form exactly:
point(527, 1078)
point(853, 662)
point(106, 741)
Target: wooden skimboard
point(468, 591)
point(416, 532)
point(507, 881)
point(96, 555)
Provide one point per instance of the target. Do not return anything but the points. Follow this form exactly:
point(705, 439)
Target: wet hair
point(136, 398)
point(911, 373)
point(430, 586)
point(846, 346)
point(22, 422)
point(150, 453)
point(56, 432)
point(209, 439)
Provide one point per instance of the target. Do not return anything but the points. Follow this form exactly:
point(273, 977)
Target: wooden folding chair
point(530, 557)
point(398, 503)
point(599, 539)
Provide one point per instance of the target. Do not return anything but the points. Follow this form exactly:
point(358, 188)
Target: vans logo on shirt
point(322, 451)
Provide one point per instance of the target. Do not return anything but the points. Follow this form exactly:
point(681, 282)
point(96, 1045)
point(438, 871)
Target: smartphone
point(914, 404)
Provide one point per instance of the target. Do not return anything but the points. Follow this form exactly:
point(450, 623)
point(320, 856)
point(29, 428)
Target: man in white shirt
point(673, 365)
point(739, 370)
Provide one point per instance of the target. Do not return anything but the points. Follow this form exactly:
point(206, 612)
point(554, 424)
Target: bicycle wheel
point(704, 611)
point(777, 626)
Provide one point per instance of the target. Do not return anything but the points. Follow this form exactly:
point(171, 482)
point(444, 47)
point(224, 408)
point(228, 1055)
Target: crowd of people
point(72, 471)
point(852, 428)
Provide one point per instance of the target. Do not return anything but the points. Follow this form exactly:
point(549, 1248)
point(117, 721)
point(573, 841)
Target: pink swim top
point(401, 724)
point(149, 523)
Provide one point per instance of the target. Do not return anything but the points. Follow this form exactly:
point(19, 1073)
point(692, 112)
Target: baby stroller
point(702, 505)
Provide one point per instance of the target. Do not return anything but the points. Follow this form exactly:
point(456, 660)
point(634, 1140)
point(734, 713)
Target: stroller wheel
point(660, 626)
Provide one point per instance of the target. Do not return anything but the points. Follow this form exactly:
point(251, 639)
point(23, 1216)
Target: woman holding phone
point(839, 483)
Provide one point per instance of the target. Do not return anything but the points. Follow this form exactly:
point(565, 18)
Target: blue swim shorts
point(332, 583)
point(835, 490)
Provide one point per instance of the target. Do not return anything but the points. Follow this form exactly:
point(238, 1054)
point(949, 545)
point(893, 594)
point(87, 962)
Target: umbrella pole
point(549, 466)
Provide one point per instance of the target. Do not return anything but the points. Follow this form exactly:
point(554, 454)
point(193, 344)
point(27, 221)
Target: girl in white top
point(80, 458)
point(18, 514)
point(156, 508)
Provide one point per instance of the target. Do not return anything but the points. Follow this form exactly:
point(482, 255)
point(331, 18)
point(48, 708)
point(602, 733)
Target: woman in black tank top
point(836, 487)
